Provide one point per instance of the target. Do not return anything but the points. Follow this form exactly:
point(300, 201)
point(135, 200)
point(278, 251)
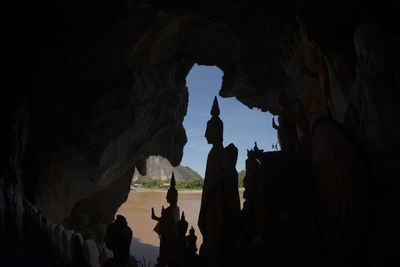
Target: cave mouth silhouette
point(242, 126)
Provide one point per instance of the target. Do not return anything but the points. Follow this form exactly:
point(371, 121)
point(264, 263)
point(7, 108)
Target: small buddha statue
point(286, 129)
point(166, 227)
point(118, 239)
point(182, 227)
point(181, 250)
point(191, 240)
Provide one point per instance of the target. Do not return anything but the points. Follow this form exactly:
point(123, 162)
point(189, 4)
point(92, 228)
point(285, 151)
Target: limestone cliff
point(160, 168)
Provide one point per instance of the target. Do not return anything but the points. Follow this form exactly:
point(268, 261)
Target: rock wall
point(108, 90)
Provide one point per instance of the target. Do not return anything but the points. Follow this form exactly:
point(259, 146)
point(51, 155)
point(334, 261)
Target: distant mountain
point(159, 168)
point(187, 173)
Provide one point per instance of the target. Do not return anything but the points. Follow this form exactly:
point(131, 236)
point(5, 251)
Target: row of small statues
point(176, 249)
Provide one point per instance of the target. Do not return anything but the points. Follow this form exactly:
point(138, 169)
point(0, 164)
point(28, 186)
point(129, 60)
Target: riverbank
point(161, 190)
point(180, 190)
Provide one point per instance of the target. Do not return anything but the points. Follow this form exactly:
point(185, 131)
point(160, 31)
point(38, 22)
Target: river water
point(137, 211)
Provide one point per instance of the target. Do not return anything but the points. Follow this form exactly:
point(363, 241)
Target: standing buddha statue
point(166, 227)
point(219, 211)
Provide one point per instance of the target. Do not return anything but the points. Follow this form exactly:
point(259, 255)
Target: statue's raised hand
point(153, 215)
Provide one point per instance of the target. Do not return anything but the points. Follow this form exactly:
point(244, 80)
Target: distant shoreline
point(140, 190)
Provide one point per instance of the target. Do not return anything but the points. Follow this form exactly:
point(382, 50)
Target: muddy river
point(137, 210)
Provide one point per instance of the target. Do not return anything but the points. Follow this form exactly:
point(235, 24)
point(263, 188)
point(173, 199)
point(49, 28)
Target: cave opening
point(242, 126)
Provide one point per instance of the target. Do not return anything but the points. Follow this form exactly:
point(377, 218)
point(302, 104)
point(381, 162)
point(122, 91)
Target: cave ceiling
point(88, 80)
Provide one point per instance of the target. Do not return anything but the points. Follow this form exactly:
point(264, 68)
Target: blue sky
point(242, 126)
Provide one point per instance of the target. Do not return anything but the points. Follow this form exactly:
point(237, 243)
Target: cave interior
point(92, 88)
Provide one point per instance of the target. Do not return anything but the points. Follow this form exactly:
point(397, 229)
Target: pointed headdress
point(215, 107)
point(173, 183)
point(215, 124)
point(172, 190)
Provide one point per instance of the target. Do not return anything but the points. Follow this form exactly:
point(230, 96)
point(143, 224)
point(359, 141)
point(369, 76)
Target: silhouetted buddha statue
point(182, 227)
point(287, 119)
point(254, 189)
point(118, 239)
point(166, 227)
point(232, 195)
point(191, 240)
point(219, 211)
point(181, 251)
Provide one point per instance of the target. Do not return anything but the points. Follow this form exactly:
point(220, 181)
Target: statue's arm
point(153, 215)
point(276, 127)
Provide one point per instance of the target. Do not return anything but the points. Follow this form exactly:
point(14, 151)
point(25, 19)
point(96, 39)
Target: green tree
point(241, 175)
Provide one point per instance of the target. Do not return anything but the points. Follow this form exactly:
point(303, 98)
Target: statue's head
point(172, 194)
point(215, 127)
point(232, 154)
point(121, 220)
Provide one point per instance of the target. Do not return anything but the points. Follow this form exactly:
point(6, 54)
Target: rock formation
point(159, 168)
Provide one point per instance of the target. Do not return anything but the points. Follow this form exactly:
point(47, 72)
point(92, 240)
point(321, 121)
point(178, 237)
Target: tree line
point(196, 183)
point(192, 184)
